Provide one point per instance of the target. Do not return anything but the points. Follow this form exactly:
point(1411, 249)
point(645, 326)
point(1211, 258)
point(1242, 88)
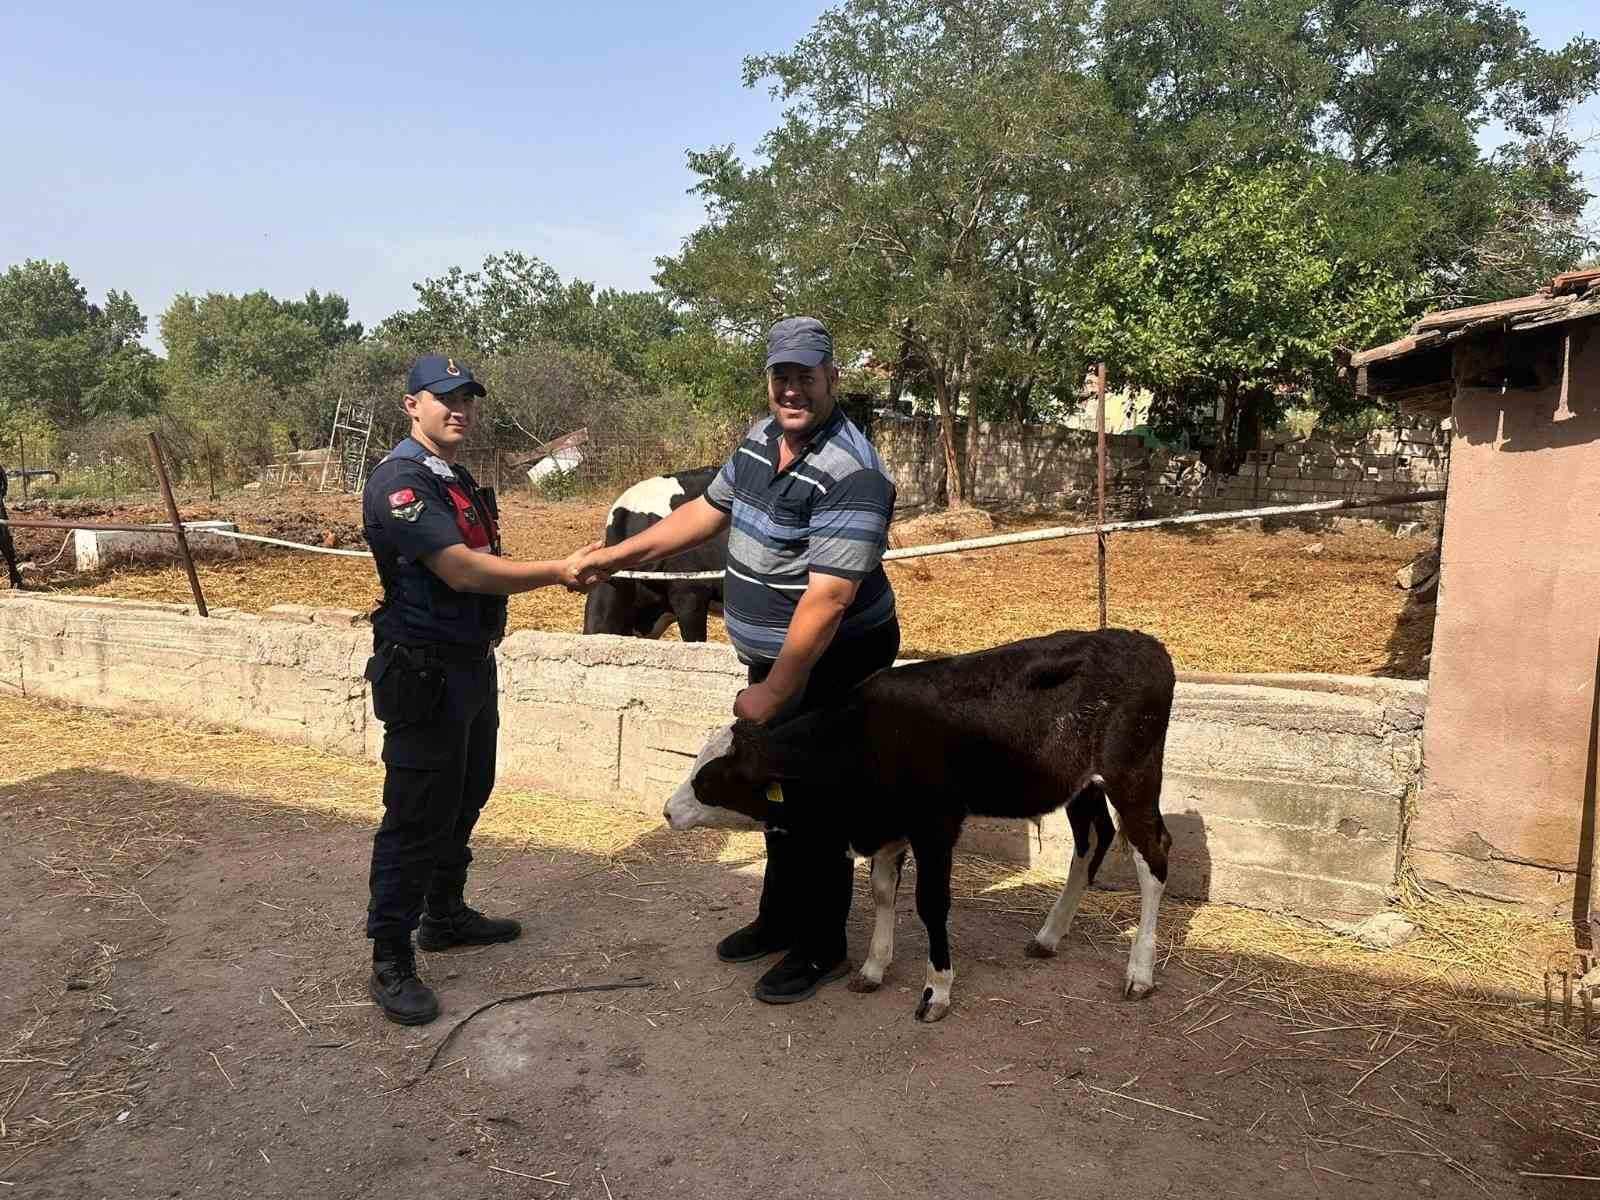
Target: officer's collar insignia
point(438, 466)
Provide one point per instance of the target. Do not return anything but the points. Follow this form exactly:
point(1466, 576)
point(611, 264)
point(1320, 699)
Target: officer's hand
point(573, 575)
point(590, 570)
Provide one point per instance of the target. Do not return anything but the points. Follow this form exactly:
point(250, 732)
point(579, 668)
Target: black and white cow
point(636, 608)
point(1070, 719)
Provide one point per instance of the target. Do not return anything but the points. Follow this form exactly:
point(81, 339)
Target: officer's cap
point(437, 374)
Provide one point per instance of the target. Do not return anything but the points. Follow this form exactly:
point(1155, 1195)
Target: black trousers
point(806, 891)
point(8, 549)
point(439, 771)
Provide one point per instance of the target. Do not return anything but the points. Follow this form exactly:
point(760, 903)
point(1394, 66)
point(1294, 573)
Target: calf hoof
point(931, 1010)
point(1134, 990)
point(1037, 949)
point(862, 983)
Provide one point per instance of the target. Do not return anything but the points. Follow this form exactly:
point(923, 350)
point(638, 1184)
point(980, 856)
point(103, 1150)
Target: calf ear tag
point(775, 792)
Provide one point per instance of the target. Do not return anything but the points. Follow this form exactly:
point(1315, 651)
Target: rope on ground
point(52, 562)
point(271, 541)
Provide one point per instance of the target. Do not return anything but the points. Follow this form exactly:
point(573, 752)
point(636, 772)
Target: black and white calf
point(1071, 719)
point(638, 608)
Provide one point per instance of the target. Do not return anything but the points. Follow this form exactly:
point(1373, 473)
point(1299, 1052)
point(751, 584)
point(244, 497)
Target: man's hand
point(592, 566)
point(573, 577)
point(759, 702)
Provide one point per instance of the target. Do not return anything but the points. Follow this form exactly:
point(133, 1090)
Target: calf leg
point(1089, 819)
point(886, 867)
point(1147, 835)
point(933, 906)
point(690, 609)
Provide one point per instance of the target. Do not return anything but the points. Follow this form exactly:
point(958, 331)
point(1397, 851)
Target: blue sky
point(357, 148)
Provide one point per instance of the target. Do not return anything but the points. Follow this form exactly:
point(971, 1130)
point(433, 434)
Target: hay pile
point(955, 525)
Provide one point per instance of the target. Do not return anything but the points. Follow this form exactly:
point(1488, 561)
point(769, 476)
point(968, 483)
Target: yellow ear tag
point(775, 792)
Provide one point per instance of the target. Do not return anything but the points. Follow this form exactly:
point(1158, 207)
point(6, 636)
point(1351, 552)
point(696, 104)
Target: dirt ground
point(1221, 598)
point(182, 1013)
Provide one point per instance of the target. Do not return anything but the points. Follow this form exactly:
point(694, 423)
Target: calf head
point(726, 788)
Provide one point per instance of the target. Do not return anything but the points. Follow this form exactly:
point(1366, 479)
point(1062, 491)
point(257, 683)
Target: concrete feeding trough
point(97, 548)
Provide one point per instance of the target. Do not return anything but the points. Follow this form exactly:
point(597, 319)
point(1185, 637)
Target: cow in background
point(636, 608)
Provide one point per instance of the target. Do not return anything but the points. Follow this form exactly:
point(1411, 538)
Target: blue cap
point(803, 340)
point(437, 374)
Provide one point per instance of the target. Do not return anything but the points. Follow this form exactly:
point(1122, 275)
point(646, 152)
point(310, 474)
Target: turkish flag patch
point(403, 496)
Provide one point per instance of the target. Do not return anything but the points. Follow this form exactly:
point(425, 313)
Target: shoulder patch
point(407, 512)
point(403, 496)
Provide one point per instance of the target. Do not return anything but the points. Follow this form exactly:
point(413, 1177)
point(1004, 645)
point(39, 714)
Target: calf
point(1071, 719)
point(638, 608)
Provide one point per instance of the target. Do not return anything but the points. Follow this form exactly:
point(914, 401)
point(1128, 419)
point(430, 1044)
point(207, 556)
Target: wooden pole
point(211, 474)
point(22, 455)
point(1100, 518)
point(177, 524)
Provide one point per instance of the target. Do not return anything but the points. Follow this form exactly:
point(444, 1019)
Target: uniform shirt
point(414, 504)
point(827, 512)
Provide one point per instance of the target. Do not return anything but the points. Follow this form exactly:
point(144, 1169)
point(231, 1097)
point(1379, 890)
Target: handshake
point(583, 569)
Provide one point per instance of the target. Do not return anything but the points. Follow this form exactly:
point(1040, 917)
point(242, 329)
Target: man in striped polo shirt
point(809, 610)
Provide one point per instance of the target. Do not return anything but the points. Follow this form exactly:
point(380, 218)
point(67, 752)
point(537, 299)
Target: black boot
point(394, 986)
point(452, 923)
point(756, 940)
point(797, 976)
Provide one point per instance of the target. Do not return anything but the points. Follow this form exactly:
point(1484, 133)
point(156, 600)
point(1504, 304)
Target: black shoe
point(395, 988)
point(463, 926)
point(754, 941)
point(796, 977)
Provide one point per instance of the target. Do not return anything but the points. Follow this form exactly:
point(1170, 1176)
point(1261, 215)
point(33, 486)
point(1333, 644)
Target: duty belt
point(443, 652)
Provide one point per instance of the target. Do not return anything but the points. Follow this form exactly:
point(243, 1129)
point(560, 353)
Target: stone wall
point(1054, 467)
point(1282, 792)
point(1325, 467)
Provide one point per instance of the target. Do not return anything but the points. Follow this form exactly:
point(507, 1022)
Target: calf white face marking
point(684, 810)
point(650, 497)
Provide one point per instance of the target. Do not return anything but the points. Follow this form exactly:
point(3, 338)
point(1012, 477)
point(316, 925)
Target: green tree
point(514, 300)
point(1239, 293)
point(65, 360)
point(1388, 100)
point(934, 184)
point(253, 335)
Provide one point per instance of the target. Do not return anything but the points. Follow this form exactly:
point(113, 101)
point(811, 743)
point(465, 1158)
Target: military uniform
point(434, 687)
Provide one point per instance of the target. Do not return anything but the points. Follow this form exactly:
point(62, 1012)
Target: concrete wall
point(1282, 792)
point(1510, 737)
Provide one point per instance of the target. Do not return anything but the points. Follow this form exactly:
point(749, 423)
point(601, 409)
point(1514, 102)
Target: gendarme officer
point(435, 536)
